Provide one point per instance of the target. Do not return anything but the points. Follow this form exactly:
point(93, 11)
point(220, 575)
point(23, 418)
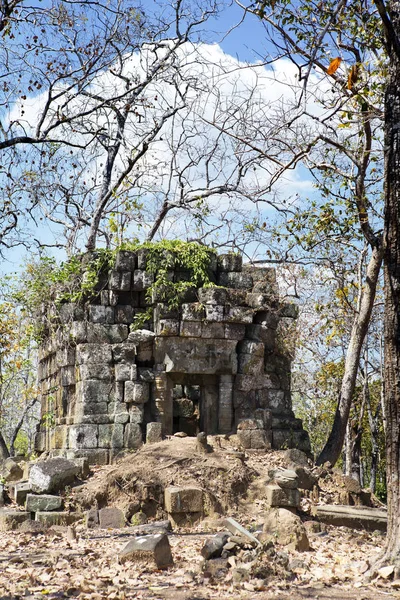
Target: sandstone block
point(133, 437)
point(213, 295)
point(93, 353)
point(11, 471)
point(124, 352)
point(125, 260)
point(18, 491)
point(136, 413)
point(106, 334)
point(213, 330)
point(140, 336)
point(11, 519)
point(193, 312)
point(101, 314)
point(153, 433)
point(120, 281)
point(56, 518)
point(234, 331)
point(117, 436)
point(238, 314)
point(166, 327)
point(214, 312)
point(277, 496)
point(83, 436)
point(190, 328)
point(142, 280)
point(136, 392)
point(230, 262)
point(286, 478)
point(286, 528)
point(183, 499)
point(111, 518)
point(52, 475)
point(150, 549)
point(43, 502)
point(241, 281)
point(124, 314)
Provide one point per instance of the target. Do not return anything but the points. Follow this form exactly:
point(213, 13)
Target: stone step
point(356, 517)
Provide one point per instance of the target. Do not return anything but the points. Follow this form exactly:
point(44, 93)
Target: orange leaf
point(353, 76)
point(334, 65)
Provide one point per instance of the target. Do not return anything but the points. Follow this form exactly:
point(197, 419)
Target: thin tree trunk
point(19, 425)
point(333, 447)
point(4, 453)
point(392, 289)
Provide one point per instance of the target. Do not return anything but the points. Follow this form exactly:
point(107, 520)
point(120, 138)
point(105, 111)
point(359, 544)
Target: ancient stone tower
point(218, 359)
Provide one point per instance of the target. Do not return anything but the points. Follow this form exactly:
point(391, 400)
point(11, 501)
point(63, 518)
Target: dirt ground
point(50, 564)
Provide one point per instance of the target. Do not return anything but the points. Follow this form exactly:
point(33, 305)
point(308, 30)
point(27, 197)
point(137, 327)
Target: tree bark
point(392, 291)
point(4, 453)
point(333, 447)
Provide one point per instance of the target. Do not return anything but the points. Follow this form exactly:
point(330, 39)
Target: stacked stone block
point(103, 381)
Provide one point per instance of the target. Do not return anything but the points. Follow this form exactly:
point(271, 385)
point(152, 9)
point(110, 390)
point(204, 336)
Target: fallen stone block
point(213, 546)
point(183, 499)
point(286, 478)
point(56, 518)
point(286, 528)
point(83, 467)
point(150, 549)
point(11, 471)
point(111, 518)
point(52, 475)
point(43, 503)
point(11, 519)
point(182, 519)
point(360, 517)
point(153, 433)
point(151, 528)
point(237, 529)
point(18, 491)
point(92, 518)
point(277, 496)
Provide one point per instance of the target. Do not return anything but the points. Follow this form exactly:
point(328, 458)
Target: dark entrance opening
point(195, 403)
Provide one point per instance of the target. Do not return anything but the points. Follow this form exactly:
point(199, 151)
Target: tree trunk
point(333, 447)
point(392, 292)
point(4, 453)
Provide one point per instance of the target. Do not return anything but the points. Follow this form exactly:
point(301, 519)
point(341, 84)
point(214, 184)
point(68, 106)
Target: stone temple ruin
point(218, 364)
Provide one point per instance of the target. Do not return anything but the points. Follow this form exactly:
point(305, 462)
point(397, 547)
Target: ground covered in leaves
point(37, 565)
point(83, 563)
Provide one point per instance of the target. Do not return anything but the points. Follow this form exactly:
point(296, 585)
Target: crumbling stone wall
point(216, 364)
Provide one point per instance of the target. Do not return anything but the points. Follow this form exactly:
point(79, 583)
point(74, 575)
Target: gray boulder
point(52, 475)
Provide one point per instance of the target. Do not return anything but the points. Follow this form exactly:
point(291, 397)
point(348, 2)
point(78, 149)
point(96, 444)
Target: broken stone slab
point(213, 546)
point(111, 518)
point(202, 446)
point(286, 478)
point(151, 528)
point(52, 475)
point(43, 503)
point(306, 478)
point(277, 496)
point(18, 491)
point(153, 549)
point(11, 519)
point(56, 518)
point(287, 529)
point(11, 471)
point(183, 499)
point(92, 518)
point(360, 517)
point(237, 529)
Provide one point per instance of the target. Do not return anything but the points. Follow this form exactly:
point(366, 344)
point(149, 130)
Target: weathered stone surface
point(11, 519)
point(230, 262)
point(95, 456)
point(136, 413)
point(234, 331)
point(107, 334)
point(11, 471)
point(120, 281)
point(213, 295)
point(124, 314)
point(215, 312)
point(141, 280)
point(18, 491)
point(193, 355)
point(93, 353)
point(111, 518)
point(277, 496)
point(92, 518)
point(125, 352)
point(213, 546)
point(83, 436)
point(44, 502)
point(286, 478)
point(286, 528)
point(167, 327)
point(117, 436)
point(52, 475)
point(254, 439)
point(136, 392)
point(83, 466)
point(249, 424)
point(306, 479)
point(56, 518)
point(190, 328)
point(236, 280)
point(125, 260)
point(153, 433)
point(151, 528)
point(193, 312)
point(358, 517)
point(150, 549)
point(183, 499)
point(237, 529)
point(133, 437)
point(100, 314)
